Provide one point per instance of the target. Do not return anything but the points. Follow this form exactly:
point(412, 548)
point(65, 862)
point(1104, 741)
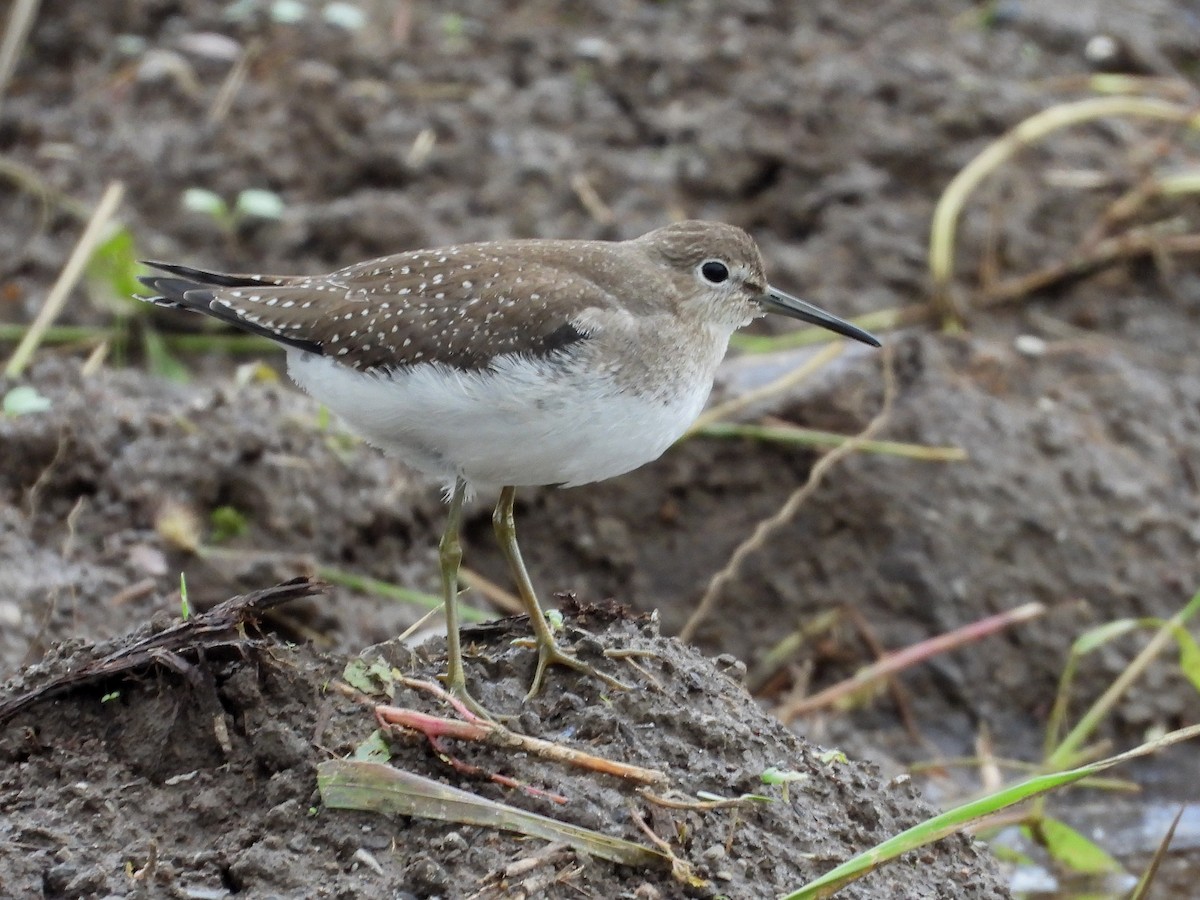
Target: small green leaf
point(114, 267)
point(1071, 849)
point(24, 400)
point(781, 776)
point(185, 608)
point(374, 749)
point(1189, 656)
point(261, 204)
point(830, 757)
point(555, 619)
point(227, 523)
point(453, 25)
point(369, 676)
point(109, 697)
point(288, 12)
point(200, 200)
point(1102, 634)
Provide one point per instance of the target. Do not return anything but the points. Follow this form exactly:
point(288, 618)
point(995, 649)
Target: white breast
point(524, 422)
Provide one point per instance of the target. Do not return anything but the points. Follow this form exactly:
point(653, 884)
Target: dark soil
point(110, 461)
point(828, 130)
point(204, 786)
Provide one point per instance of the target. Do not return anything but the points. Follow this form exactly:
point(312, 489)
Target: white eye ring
point(713, 271)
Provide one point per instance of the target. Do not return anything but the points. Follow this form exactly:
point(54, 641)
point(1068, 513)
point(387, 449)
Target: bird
point(510, 363)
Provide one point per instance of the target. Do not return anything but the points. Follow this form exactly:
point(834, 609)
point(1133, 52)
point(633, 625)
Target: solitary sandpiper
point(511, 363)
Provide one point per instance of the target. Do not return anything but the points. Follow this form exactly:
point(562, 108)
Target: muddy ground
point(826, 129)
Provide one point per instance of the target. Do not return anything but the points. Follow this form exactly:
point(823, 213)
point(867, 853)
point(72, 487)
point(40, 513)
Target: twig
point(779, 431)
point(1120, 83)
point(1032, 129)
point(20, 20)
point(474, 728)
point(232, 84)
point(879, 651)
point(221, 626)
point(422, 147)
point(1123, 209)
point(472, 771)
point(67, 278)
point(680, 868)
point(1142, 891)
point(903, 659)
point(780, 653)
point(1106, 252)
point(28, 179)
point(590, 199)
point(496, 595)
point(699, 805)
point(793, 503)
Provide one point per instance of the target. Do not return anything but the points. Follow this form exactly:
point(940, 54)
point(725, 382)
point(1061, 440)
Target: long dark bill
point(785, 304)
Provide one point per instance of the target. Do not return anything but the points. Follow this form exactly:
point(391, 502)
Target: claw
point(460, 693)
point(550, 654)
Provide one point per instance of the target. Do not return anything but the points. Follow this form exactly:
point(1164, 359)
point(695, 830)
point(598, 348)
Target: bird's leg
point(549, 653)
point(450, 556)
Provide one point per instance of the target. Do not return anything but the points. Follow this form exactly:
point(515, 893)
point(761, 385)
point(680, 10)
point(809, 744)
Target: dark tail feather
point(174, 292)
point(215, 279)
point(190, 292)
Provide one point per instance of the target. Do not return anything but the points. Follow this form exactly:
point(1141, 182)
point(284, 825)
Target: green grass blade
point(1067, 751)
point(159, 359)
point(955, 819)
point(395, 592)
point(1071, 849)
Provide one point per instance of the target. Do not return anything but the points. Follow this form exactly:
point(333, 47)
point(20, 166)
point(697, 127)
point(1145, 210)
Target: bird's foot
point(551, 654)
point(457, 689)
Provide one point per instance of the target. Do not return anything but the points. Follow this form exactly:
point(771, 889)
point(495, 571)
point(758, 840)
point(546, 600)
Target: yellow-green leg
point(450, 557)
point(549, 653)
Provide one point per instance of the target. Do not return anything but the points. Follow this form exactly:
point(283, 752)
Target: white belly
point(529, 422)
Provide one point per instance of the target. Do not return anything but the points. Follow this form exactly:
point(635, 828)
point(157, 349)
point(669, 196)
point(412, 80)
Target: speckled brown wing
point(460, 306)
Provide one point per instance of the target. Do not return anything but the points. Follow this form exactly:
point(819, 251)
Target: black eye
point(714, 272)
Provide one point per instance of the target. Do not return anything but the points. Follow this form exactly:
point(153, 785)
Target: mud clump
point(204, 784)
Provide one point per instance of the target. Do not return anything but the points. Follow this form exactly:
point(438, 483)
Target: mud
point(203, 785)
point(826, 129)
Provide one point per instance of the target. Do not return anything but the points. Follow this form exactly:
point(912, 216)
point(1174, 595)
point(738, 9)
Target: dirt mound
point(203, 784)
